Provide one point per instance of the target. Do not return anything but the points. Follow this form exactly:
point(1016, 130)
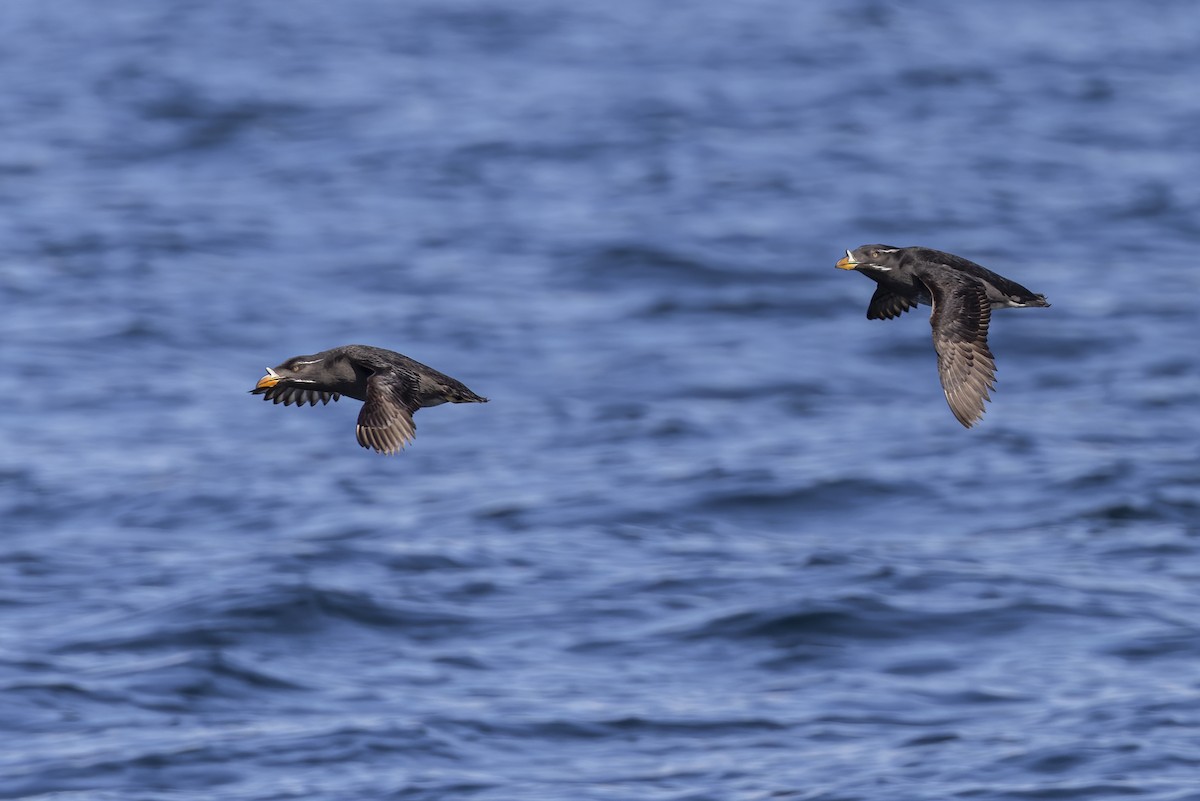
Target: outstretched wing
point(287, 394)
point(386, 420)
point(885, 304)
point(961, 313)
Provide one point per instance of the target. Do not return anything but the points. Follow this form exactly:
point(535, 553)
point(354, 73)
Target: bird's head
point(295, 372)
point(870, 258)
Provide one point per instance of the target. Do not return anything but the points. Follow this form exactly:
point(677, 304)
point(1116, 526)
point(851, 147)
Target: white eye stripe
point(313, 361)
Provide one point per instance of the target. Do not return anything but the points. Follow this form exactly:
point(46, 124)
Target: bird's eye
point(874, 254)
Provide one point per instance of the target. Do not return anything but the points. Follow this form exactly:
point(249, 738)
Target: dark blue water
point(717, 536)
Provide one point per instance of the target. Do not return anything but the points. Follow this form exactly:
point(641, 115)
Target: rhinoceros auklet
point(962, 294)
point(391, 386)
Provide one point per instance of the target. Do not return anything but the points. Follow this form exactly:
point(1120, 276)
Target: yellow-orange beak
point(268, 380)
point(847, 262)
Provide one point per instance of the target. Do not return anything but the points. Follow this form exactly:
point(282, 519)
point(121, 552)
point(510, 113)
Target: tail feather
point(464, 395)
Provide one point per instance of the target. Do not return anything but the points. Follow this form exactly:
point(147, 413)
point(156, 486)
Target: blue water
point(717, 536)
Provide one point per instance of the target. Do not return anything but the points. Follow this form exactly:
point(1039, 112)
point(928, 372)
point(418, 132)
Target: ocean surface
point(717, 536)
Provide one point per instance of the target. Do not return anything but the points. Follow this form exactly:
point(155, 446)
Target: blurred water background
point(717, 536)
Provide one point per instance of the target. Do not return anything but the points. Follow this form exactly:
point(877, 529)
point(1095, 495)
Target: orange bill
point(268, 380)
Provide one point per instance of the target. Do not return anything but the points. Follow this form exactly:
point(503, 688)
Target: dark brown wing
point(385, 422)
point(886, 304)
point(289, 394)
point(961, 313)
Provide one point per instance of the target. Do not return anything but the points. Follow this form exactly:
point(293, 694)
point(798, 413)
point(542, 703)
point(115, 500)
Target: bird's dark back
point(931, 256)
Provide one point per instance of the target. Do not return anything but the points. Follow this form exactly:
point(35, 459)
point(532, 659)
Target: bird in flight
point(391, 386)
point(963, 295)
